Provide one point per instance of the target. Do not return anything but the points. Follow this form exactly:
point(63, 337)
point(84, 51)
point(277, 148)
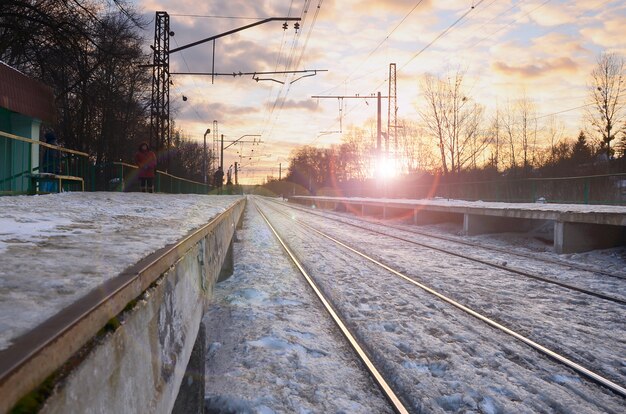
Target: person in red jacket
point(146, 161)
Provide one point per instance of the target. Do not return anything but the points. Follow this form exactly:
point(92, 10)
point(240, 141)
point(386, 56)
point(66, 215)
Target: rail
point(380, 381)
point(24, 167)
point(387, 225)
point(485, 262)
point(121, 176)
point(618, 389)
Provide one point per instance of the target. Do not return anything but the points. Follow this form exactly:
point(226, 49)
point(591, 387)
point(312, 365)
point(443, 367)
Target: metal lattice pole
point(160, 136)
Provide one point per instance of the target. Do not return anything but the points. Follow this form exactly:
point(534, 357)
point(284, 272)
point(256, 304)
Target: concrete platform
point(124, 345)
point(577, 228)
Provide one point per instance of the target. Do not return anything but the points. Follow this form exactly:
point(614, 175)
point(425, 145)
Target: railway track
point(393, 399)
point(578, 368)
point(506, 268)
point(569, 265)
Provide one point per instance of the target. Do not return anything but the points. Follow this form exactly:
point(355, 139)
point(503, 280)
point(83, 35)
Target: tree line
point(90, 53)
point(455, 138)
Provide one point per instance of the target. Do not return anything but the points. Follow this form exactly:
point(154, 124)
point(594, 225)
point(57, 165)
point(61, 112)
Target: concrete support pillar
point(190, 399)
point(474, 224)
point(582, 237)
point(229, 263)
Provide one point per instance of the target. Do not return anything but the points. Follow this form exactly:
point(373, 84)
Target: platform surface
point(56, 248)
point(584, 213)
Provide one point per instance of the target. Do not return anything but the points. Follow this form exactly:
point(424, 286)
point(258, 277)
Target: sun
point(386, 168)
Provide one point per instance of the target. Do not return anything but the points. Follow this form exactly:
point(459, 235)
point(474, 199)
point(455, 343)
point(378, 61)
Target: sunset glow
point(541, 50)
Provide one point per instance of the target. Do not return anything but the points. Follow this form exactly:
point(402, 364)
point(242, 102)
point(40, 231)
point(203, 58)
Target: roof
point(24, 95)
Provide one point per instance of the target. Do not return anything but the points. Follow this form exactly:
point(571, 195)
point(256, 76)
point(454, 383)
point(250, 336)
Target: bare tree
point(606, 93)
point(415, 152)
point(494, 139)
point(527, 119)
point(434, 114)
point(509, 125)
point(453, 118)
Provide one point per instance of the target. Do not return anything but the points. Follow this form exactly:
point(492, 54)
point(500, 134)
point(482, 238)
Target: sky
point(542, 49)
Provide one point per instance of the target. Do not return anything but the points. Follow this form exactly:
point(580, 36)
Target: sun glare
point(386, 168)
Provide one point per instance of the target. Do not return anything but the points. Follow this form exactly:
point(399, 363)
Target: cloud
point(608, 34)
point(291, 104)
point(191, 111)
point(543, 68)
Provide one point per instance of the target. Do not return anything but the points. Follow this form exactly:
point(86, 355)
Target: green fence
point(32, 167)
point(593, 189)
point(28, 167)
point(596, 189)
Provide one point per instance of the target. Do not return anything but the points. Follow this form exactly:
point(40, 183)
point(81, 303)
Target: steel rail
point(618, 389)
point(509, 269)
point(378, 378)
point(481, 246)
point(35, 355)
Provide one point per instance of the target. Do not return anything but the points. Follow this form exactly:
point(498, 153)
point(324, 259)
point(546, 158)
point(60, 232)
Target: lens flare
point(386, 168)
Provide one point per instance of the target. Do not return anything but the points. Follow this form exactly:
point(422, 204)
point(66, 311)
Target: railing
point(120, 176)
point(23, 160)
point(27, 165)
point(593, 189)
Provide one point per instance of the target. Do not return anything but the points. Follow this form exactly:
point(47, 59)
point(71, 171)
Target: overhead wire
point(280, 100)
point(406, 16)
point(182, 55)
point(442, 34)
point(439, 36)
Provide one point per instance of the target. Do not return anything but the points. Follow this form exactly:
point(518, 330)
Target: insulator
point(297, 26)
point(285, 26)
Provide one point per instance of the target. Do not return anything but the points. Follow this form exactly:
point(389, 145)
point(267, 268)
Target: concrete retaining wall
point(140, 366)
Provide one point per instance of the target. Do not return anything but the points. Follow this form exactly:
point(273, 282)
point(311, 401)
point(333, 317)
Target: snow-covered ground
point(527, 251)
point(56, 248)
point(442, 202)
point(271, 346)
point(440, 359)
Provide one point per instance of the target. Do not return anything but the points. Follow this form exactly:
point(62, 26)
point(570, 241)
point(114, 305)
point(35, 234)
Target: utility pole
point(204, 160)
point(215, 146)
point(222, 153)
point(392, 110)
point(378, 97)
point(379, 126)
point(280, 170)
point(236, 174)
point(160, 133)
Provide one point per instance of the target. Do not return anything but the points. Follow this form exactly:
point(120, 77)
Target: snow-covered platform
point(577, 227)
point(134, 271)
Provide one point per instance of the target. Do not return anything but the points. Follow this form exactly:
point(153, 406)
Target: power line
point(510, 23)
point(442, 34)
point(193, 80)
point(377, 47)
point(282, 101)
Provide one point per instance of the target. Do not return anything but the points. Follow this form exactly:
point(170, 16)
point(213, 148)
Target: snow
point(514, 250)
point(440, 359)
point(56, 248)
point(272, 347)
point(441, 202)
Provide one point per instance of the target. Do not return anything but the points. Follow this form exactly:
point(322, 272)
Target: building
point(24, 105)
